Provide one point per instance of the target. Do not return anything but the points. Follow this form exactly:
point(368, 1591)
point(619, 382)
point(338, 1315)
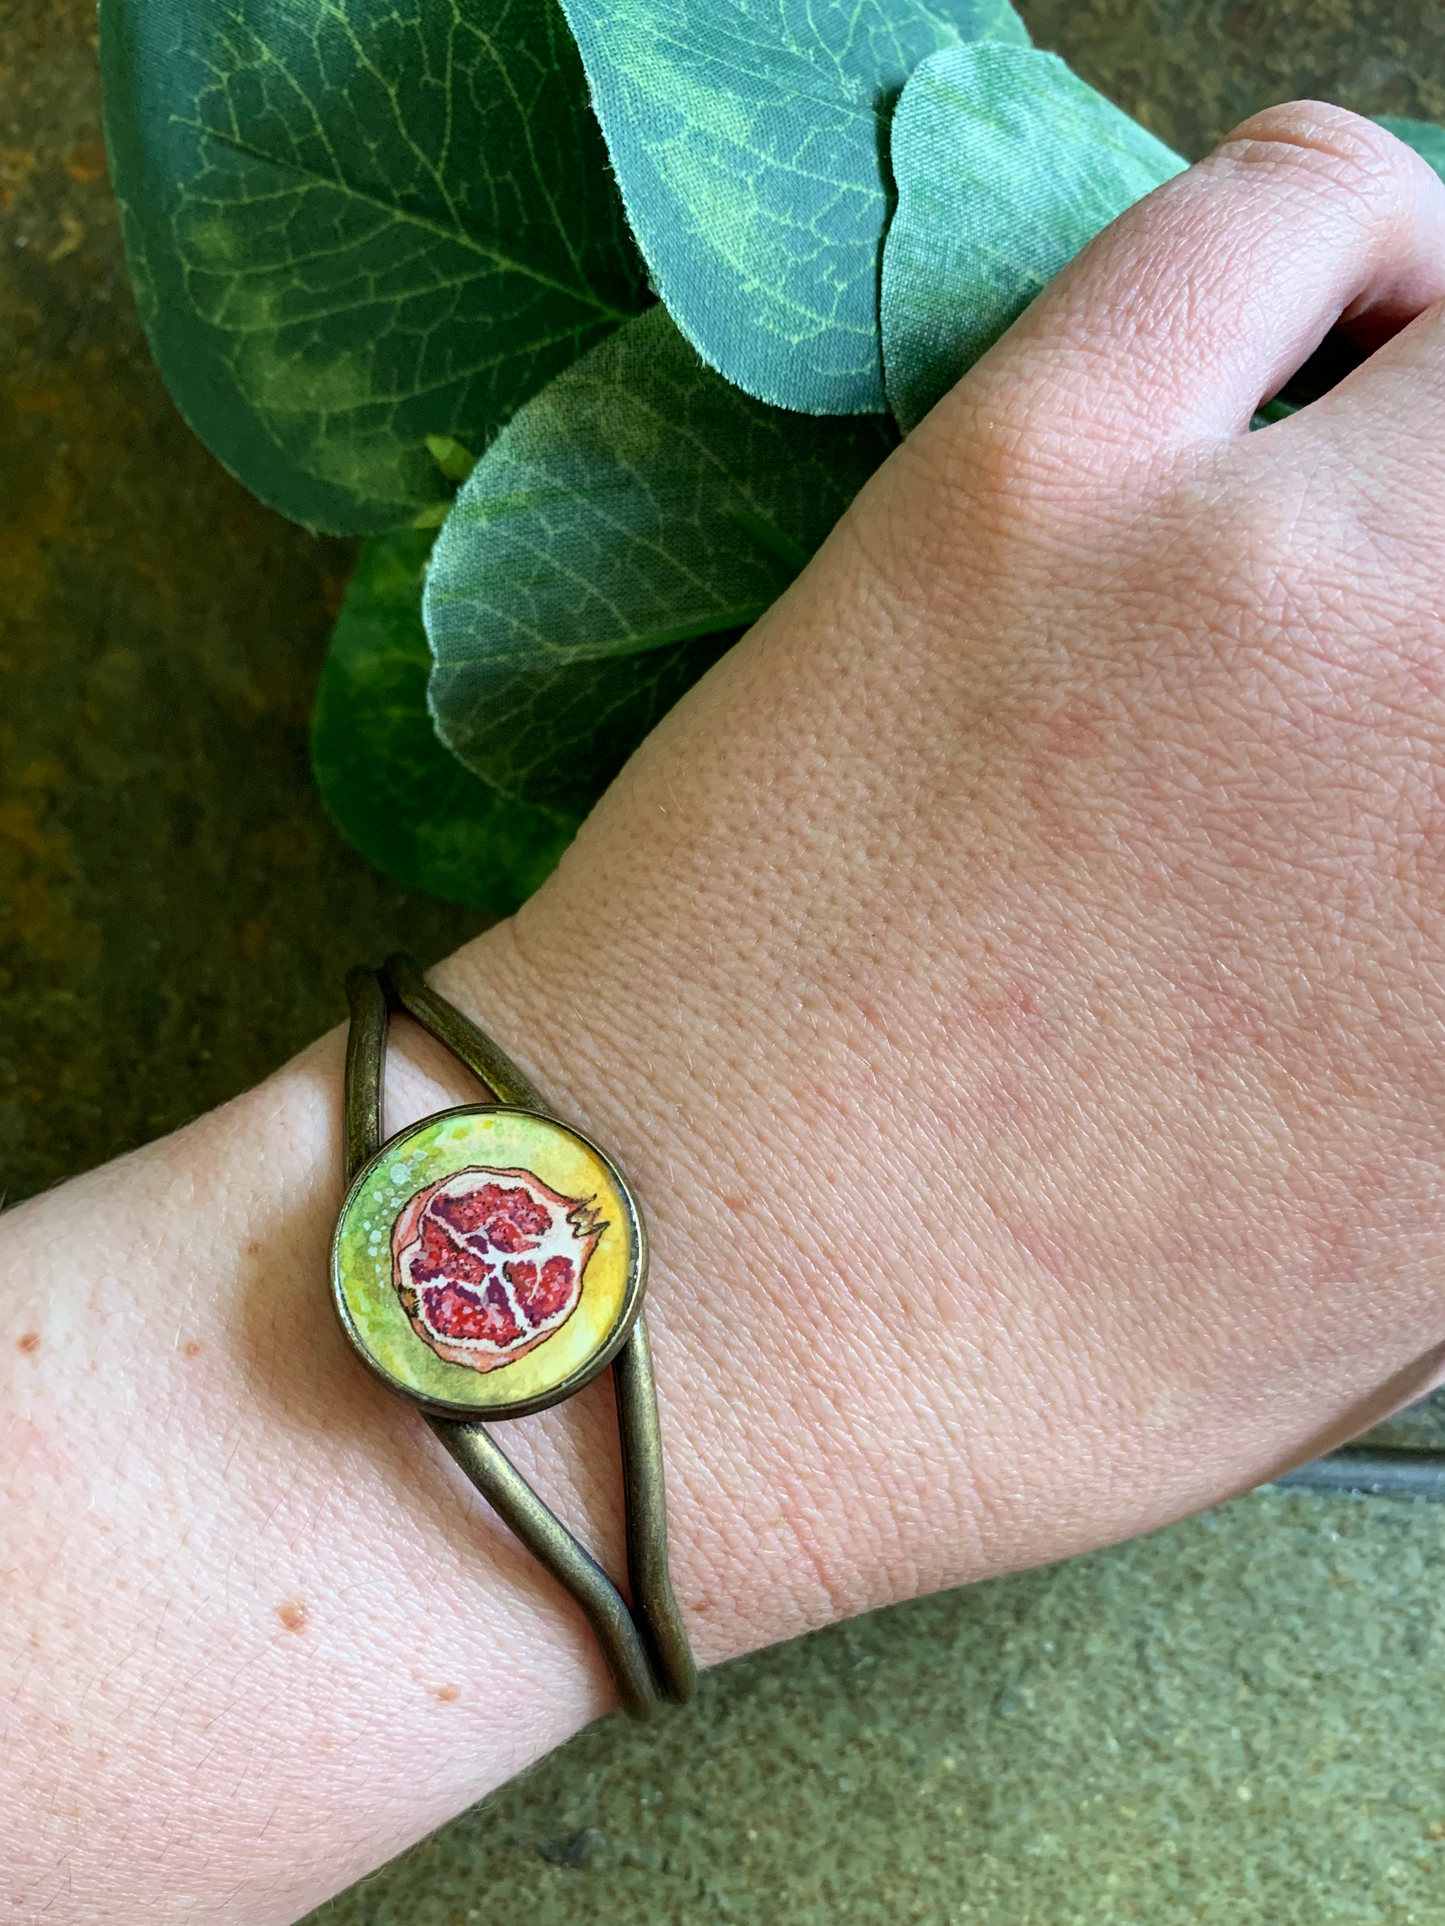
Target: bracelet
point(488, 1262)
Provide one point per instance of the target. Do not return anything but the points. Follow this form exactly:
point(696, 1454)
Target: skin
point(1013, 980)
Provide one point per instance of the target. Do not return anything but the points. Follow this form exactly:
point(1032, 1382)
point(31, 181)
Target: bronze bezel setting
point(644, 1644)
point(596, 1362)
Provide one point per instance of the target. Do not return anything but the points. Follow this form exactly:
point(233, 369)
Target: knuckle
point(983, 488)
point(1255, 562)
point(1325, 148)
point(1295, 598)
point(995, 447)
point(1021, 442)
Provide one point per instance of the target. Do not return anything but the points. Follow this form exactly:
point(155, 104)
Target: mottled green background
point(1236, 1721)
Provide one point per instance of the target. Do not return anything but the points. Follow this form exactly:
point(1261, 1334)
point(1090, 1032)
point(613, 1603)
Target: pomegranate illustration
point(488, 1263)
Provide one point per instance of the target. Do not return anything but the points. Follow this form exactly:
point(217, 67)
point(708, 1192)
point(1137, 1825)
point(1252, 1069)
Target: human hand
point(1015, 976)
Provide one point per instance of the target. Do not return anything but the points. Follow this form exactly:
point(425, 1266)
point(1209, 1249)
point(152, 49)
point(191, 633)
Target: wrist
point(794, 1498)
point(852, 1417)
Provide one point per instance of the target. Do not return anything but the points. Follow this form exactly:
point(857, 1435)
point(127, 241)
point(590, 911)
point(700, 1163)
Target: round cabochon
point(488, 1262)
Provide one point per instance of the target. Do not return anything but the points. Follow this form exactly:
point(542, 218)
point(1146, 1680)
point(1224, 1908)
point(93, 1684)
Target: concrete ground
point(1235, 1721)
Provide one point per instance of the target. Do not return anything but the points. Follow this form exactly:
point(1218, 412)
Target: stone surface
point(1233, 1721)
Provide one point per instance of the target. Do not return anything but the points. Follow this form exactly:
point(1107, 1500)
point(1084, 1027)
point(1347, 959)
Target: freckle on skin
point(191, 1349)
point(30, 1342)
point(447, 1693)
point(292, 1615)
point(253, 1250)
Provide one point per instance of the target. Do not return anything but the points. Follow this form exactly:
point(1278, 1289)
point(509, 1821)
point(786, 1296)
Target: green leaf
point(615, 538)
point(750, 141)
point(1006, 163)
point(1269, 412)
point(455, 462)
point(403, 799)
point(1427, 139)
point(352, 224)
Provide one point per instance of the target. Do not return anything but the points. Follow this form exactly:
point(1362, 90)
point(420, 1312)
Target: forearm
point(260, 1633)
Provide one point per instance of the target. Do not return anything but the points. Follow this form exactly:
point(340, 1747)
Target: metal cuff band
point(443, 1283)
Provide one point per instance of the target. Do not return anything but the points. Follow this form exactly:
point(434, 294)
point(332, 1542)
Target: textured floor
point(1233, 1722)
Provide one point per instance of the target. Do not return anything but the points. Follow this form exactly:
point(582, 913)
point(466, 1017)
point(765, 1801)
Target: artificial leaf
point(455, 461)
point(1269, 412)
point(750, 141)
point(1427, 139)
point(1006, 164)
point(617, 535)
point(352, 224)
point(402, 798)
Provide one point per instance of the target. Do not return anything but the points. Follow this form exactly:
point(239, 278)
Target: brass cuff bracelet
point(488, 1262)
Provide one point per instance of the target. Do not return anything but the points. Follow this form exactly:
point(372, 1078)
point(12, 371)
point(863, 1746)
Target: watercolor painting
point(489, 1263)
point(488, 1260)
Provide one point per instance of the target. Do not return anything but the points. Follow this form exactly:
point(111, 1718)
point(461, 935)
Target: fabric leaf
point(612, 542)
point(401, 797)
point(1006, 164)
point(749, 138)
point(352, 224)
